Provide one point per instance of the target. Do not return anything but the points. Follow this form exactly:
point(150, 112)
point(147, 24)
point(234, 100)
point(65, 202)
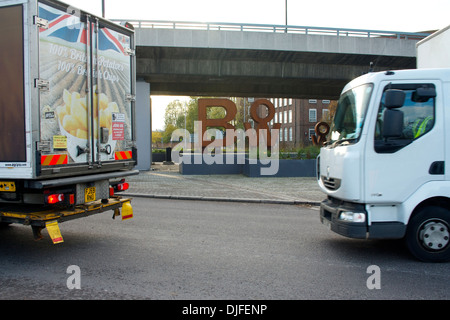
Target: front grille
point(331, 183)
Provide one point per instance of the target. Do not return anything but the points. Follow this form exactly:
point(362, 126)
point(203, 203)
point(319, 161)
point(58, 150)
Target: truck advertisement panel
point(85, 96)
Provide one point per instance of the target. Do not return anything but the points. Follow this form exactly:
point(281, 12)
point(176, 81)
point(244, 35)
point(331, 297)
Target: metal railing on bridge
point(250, 27)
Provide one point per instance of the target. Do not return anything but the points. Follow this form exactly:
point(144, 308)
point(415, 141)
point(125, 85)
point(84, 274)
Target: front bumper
point(330, 211)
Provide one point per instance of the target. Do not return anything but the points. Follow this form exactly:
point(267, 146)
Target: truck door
point(86, 91)
point(113, 96)
point(64, 87)
point(12, 106)
point(396, 166)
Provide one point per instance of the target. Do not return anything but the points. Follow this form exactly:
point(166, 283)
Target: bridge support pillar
point(143, 125)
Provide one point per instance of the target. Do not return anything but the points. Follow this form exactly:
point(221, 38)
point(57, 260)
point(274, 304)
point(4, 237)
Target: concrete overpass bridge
point(228, 59)
point(254, 60)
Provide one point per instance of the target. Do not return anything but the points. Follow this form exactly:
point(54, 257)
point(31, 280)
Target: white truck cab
point(384, 166)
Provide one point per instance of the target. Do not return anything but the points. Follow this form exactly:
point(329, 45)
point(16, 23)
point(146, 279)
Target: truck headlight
point(352, 216)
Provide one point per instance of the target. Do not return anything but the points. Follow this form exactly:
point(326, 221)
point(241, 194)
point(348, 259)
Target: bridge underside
point(270, 73)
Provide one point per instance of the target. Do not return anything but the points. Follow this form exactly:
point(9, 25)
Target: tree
point(332, 110)
point(174, 114)
point(167, 134)
point(192, 113)
point(156, 137)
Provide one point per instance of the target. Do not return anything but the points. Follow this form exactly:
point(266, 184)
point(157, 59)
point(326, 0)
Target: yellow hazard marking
point(54, 232)
point(56, 159)
point(123, 155)
point(127, 211)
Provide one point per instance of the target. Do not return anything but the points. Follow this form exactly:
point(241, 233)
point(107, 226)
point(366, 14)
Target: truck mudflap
point(50, 218)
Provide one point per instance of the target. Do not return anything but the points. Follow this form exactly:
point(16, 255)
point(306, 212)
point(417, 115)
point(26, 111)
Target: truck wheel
point(427, 236)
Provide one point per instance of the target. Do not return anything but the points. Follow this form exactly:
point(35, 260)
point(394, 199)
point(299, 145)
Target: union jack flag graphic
point(69, 28)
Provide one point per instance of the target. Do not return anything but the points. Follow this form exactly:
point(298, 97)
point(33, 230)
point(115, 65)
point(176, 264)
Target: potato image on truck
point(73, 119)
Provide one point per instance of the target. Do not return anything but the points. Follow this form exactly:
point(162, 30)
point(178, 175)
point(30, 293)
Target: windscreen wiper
point(339, 142)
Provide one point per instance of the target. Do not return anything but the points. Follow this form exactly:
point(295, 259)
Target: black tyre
point(428, 234)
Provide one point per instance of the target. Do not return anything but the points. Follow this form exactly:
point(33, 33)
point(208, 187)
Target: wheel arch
point(439, 201)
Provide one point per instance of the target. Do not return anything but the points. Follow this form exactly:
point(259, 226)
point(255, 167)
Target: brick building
point(298, 118)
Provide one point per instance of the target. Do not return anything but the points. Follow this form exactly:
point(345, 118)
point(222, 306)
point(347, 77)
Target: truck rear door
point(113, 92)
point(86, 92)
point(12, 106)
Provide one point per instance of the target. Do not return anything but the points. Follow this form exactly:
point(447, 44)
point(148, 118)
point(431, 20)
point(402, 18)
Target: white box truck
point(434, 51)
point(67, 87)
point(385, 165)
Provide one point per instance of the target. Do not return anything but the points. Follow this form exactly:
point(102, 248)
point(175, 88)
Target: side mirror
point(394, 98)
point(392, 123)
point(423, 94)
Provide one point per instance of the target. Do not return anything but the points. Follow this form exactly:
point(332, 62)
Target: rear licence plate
point(7, 186)
point(89, 194)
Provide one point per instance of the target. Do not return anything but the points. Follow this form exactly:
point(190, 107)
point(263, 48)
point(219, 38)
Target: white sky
point(388, 15)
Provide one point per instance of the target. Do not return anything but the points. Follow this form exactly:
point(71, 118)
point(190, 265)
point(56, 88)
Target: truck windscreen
point(350, 114)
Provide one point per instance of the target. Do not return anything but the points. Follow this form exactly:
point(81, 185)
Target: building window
point(312, 115)
point(285, 134)
point(326, 114)
point(312, 101)
point(290, 116)
point(285, 117)
point(290, 134)
point(326, 101)
point(311, 133)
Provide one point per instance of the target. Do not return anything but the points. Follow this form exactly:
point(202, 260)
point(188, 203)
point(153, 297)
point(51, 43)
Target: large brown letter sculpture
point(262, 123)
point(231, 110)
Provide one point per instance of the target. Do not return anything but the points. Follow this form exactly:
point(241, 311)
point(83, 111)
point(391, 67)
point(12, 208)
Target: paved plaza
point(165, 181)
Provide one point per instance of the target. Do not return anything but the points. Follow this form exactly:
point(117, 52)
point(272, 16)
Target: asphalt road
point(189, 250)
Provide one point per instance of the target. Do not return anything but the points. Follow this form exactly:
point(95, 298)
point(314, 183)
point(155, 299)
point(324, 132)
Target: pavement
point(165, 182)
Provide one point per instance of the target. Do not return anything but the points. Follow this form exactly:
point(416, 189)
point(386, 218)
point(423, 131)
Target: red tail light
point(123, 186)
point(55, 198)
point(72, 198)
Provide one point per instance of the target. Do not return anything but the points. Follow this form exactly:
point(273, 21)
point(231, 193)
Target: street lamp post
point(285, 6)
point(286, 15)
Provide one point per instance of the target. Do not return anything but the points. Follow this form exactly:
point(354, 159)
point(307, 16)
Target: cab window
point(418, 113)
